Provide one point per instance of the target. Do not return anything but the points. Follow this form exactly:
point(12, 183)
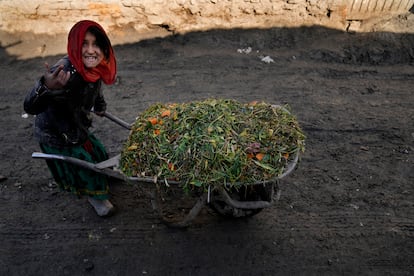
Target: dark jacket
point(63, 116)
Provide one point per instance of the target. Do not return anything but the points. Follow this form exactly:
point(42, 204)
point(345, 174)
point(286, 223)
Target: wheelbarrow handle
point(104, 167)
point(117, 120)
point(81, 163)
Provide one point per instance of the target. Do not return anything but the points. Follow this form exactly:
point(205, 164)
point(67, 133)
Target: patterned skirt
point(75, 179)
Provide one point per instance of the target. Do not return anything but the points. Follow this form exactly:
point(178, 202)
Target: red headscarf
point(106, 70)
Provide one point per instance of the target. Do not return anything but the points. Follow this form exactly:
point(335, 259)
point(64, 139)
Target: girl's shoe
point(103, 207)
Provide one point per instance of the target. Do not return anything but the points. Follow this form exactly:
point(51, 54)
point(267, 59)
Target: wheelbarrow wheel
point(225, 210)
point(252, 193)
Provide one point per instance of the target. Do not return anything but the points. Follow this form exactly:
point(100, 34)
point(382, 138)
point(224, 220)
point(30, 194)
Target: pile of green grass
point(212, 142)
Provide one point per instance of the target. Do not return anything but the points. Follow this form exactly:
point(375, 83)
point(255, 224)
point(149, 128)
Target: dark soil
point(347, 210)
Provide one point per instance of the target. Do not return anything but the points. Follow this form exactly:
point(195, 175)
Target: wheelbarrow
point(245, 201)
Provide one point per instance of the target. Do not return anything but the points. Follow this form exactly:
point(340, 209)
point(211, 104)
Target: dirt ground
point(348, 209)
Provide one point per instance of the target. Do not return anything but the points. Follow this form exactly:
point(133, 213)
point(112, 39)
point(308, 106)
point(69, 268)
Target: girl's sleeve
point(37, 99)
point(100, 103)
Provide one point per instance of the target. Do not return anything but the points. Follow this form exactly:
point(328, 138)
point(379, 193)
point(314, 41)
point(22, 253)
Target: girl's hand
point(99, 113)
point(57, 79)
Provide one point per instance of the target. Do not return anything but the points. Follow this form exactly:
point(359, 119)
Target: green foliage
point(212, 142)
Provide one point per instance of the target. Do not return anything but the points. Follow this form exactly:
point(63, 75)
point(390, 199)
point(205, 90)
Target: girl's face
point(92, 55)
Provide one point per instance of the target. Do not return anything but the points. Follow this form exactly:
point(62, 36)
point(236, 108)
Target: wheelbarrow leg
point(186, 221)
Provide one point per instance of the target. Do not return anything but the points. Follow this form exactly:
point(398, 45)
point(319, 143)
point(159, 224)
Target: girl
point(63, 98)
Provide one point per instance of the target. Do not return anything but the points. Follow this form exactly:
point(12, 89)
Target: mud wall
point(51, 16)
point(43, 24)
point(119, 17)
